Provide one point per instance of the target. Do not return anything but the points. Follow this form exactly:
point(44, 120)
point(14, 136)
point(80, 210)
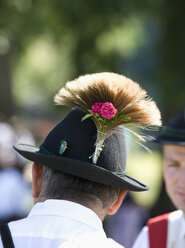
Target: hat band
point(173, 133)
point(45, 151)
point(120, 174)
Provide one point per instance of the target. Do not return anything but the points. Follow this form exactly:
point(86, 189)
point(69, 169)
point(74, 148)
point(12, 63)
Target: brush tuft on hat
point(110, 100)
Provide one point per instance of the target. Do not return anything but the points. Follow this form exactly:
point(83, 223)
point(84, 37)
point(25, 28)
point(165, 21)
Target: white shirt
point(61, 224)
point(175, 235)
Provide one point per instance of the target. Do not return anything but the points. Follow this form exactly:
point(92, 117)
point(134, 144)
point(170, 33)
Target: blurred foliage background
point(45, 43)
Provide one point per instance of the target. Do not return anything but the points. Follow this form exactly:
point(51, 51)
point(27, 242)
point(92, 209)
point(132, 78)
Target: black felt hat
point(69, 148)
point(174, 132)
point(89, 142)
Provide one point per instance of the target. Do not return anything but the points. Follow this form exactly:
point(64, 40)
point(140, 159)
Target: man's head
point(174, 174)
point(86, 153)
point(8, 137)
point(52, 184)
point(172, 139)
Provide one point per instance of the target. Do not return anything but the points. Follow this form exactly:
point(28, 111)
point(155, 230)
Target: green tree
point(172, 51)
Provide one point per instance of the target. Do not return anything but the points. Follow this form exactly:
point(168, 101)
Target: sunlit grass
point(147, 168)
point(39, 73)
point(124, 39)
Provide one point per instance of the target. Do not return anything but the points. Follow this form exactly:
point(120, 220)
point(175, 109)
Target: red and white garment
point(165, 231)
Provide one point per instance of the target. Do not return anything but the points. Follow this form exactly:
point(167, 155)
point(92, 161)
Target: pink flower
point(96, 108)
point(108, 110)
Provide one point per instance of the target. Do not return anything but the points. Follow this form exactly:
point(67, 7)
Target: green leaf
point(99, 118)
point(124, 118)
point(114, 119)
point(86, 116)
point(116, 115)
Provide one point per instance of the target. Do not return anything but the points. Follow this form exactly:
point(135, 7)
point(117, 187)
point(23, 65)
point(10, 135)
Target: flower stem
point(98, 149)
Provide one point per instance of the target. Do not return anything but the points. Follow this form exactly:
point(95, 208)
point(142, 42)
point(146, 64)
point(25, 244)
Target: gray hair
point(60, 185)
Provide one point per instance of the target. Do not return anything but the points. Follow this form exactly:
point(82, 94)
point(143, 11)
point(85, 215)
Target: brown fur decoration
point(126, 95)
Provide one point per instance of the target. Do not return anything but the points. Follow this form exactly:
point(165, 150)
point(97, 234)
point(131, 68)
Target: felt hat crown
point(174, 132)
point(91, 144)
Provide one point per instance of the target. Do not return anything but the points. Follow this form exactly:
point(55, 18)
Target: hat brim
point(80, 169)
point(167, 141)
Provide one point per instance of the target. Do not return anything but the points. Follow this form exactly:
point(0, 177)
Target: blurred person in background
point(168, 230)
point(14, 190)
point(79, 171)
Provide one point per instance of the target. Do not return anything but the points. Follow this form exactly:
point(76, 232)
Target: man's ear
point(113, 208)
point(36, 180)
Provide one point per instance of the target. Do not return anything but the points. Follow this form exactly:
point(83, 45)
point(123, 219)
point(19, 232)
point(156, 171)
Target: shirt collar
point(183, 227)
point(67, 209)
point(176, 220)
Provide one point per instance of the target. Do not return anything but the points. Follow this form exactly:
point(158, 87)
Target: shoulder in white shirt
point(59, 223)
